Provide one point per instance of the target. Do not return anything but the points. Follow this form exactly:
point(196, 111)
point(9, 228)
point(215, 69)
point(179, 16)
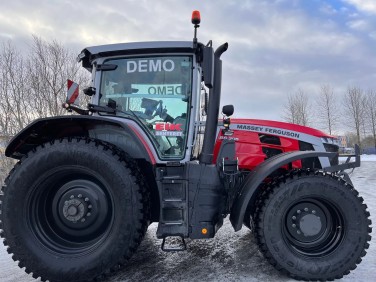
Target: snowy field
point(229, 256)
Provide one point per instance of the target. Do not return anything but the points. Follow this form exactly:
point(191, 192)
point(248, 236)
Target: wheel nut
point(83, 220)
point(298, 232)
point(88, 214)
point(89, 206)
point(86, 199)
point(294, 217)
point(305, 209)
point(72, 197)
point(79, 196)
point(294, 225)
point(313, 211)
point(298, 211)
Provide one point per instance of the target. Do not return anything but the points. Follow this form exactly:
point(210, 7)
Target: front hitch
point(340, 169)
point(347, 164)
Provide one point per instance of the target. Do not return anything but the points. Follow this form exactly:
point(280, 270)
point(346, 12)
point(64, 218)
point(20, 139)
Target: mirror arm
point(71, 107)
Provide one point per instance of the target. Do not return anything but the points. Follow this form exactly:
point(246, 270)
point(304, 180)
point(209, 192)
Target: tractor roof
point(88, 54)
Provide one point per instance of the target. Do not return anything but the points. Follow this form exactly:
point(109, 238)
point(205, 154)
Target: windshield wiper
point(113, 110)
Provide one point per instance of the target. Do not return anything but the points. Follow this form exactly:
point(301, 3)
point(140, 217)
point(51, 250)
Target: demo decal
point(145, 65)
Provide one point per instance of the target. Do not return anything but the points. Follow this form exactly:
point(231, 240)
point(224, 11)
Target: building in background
point(343, 143)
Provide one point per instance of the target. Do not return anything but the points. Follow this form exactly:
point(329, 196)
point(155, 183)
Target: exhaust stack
point(213, 110)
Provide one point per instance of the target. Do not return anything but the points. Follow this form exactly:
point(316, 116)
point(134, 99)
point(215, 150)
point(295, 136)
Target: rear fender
point(248, 190)
point(45, 130)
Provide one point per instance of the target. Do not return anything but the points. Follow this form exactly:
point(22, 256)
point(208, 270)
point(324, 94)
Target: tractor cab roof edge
point(89, 54)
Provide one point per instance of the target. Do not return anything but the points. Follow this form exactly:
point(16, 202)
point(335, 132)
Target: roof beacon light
point(196, 18)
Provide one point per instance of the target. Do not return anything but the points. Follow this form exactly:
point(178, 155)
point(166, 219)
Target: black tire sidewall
point(127, 211)
point(344, 257)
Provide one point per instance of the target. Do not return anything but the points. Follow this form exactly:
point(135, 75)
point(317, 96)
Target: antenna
point(196, 19)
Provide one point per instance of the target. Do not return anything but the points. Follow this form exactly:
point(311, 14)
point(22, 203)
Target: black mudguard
point(44, 130)
point(248, 189)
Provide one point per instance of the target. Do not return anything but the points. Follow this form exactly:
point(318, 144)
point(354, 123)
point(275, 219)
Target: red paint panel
point(150, 153)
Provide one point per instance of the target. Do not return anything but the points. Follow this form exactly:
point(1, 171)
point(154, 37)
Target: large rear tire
point(73, 210)
point(313, 226)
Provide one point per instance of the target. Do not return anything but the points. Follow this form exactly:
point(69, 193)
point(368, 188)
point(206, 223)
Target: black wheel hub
point(306, 222)
point(80, 209)
point(71, 211)
point(313, 227)
point(74, 210)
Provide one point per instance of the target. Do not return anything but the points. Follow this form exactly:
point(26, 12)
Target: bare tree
point(371, 112)
point(297, 108)
point(14, 94)
point(327, 109)
point(354, 104)
point(14, 107)
point(49, 67)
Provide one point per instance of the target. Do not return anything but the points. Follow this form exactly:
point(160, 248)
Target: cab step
point(172, 244)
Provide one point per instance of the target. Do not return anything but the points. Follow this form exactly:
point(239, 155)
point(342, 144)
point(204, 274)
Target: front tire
point(73, 210)
point(313, 226)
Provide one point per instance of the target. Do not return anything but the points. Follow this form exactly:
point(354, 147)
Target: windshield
point(157, 91)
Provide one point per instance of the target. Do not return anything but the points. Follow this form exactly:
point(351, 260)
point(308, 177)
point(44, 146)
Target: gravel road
point(229, 256)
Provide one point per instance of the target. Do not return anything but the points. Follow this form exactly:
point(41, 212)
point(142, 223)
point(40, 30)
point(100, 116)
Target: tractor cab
point(158, 85)
point(155, 85)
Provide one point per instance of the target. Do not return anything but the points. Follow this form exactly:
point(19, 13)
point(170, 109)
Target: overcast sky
point(275, 46)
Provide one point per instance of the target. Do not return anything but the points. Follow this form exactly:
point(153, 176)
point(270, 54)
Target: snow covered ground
point(229, 256)
point(368, 158)
point(363, 158)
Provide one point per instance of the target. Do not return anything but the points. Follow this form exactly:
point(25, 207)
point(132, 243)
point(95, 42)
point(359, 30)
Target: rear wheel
point(73, 210)
point(313, 226)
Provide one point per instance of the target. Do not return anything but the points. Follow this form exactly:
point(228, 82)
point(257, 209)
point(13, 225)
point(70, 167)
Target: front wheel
point(73, 210)
point(313, 226)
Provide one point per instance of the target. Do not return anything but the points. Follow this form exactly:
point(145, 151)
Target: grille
point(270, 152)
point(309, 162)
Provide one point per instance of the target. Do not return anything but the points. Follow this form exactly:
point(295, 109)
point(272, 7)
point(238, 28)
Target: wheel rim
point(313, 227)
point(70, 211)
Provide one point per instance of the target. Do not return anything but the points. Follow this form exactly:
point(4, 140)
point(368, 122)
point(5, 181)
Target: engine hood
point(282, 125)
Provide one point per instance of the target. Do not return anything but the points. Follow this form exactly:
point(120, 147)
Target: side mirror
point(228, 110)
point(208, 66)
point(89, 91)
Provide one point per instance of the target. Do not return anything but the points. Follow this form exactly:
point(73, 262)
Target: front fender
point(249, 187)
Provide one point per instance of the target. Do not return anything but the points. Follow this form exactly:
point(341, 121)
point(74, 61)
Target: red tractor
point(150, 148)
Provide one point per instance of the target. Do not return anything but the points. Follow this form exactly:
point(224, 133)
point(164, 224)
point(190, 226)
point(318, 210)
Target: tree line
point(33, 84)
point(354, 110)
